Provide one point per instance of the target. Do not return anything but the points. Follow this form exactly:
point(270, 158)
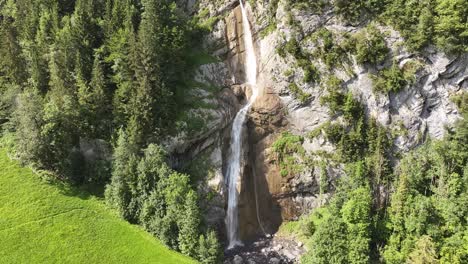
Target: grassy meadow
point(44, 223)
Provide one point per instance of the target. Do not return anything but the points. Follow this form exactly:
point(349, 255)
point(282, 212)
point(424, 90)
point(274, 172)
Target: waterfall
point(234, 160)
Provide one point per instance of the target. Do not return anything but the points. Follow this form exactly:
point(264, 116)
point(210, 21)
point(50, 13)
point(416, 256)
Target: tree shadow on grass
point(83, 191)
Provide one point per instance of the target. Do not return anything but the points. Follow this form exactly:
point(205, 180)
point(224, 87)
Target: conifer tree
point(118, 193)
point(122, 55)
point(61, 132)
point(12, 62)
point(39, 50)
point(94, 102)
point(62, 59)
point(209, 248)
point(84, 37)
point(28, 120)
point(189, 224)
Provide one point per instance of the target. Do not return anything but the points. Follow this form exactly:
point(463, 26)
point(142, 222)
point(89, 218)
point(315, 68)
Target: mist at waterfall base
point(235, 155)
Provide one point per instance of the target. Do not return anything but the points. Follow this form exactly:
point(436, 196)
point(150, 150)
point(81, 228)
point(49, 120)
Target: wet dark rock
point(277, 250)
point(238, 260)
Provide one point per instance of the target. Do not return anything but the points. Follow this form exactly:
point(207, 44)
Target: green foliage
point(355, 11)
point(161, 42)
point(425, 21)
point(60, 132)
point(294, 49)
point(389, 80)
point(28, 118)
point(370, 46)
point(349, 10)
point(339, 103)
point(356, 214)
point(63, 224)
point(146, 191)
point(330, 52)
point(272, 23)
point(306, 226)
point(317, 7)
point(95, 104)
point(12, 63)
point(117, 193)
point(461, 101)
point(451, 26)
point(323, 180)
point(414, 20)
point(288, 148)
point(268, 30)
point(189, 226)
point(311, 73)
point(424, 252)
point(209, 250)
point(343, 230)
point(329, 243)
point(298, 93)
point(335, 99)
point(428, 210)
point(208, 24)
point(201, 167)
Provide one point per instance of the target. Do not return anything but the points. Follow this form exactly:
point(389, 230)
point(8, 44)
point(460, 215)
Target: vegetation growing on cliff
point(425, 218)
point(288, 149)
point(421, 22)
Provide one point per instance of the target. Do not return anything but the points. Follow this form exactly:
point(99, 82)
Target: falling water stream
point(234, 160)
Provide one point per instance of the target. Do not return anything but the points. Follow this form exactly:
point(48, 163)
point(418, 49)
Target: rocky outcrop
point(421, 109)
point(276, 250)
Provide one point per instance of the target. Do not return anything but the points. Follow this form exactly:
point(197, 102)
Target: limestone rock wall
point(422, 109)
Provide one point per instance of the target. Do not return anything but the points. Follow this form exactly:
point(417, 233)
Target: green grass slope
point(42, 223)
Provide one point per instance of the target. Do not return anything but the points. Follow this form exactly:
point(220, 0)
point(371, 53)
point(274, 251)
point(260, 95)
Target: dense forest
point(114, 74)
point(99, 72)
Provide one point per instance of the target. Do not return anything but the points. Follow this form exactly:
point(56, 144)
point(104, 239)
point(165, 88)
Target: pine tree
point(115, 15)
point(39, 51)
point(151, 168)
point(452, 26)
point(148, 97)
point(424, 252)
point(122, 55)
point(61, 132)
point(62, 59)
point(209, 249)
point(160, 45)
point(94, 102)
point(329, 243)
point(28, 120)
point(119, 192)
point(356, 214)
point(189, 225)
point(84, 35)
point(12, 62)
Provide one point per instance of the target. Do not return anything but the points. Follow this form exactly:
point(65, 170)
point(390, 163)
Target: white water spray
point(234, 161)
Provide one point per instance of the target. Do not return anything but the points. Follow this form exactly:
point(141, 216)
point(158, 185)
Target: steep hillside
point(40, 223)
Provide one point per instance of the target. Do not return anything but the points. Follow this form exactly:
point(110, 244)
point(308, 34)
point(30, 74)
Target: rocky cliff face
point(423, 108)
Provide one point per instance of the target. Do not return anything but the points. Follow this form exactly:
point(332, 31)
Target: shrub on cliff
point(371, 46)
